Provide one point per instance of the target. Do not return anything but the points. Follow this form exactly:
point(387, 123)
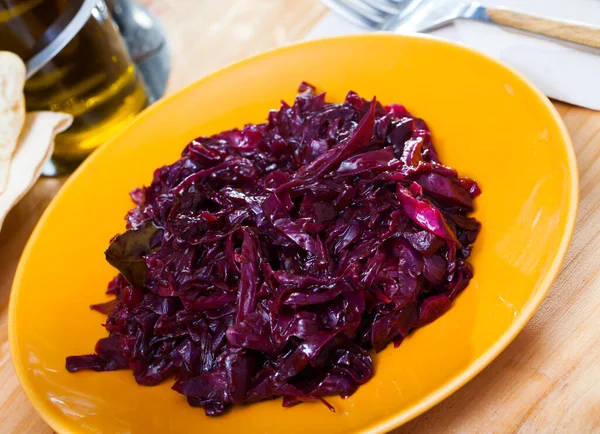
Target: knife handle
point(577, 33)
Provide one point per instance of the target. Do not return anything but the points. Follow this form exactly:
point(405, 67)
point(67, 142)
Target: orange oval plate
point(487, 121)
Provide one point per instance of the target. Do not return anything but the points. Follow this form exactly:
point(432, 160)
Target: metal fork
point(426, 15)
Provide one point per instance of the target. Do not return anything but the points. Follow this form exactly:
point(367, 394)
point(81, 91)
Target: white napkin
point(34, 148)
point(561, 72)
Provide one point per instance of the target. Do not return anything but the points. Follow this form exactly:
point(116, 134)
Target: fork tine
point(352, 13)
point(383, 6)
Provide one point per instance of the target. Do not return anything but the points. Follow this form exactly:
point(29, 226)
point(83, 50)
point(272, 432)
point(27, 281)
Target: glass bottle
point(91, 77)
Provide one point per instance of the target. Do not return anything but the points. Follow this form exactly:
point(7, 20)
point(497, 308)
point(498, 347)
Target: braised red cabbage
point(268, 261)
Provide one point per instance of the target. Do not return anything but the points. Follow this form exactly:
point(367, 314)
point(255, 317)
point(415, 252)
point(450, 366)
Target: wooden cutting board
point(547, 380)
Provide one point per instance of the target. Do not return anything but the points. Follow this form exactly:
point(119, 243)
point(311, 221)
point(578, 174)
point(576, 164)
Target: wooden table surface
point(547, 380)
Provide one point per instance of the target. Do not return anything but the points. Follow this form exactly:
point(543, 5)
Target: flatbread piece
point(12, 109)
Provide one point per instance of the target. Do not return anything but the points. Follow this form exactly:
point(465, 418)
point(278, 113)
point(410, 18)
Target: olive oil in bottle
point(91, 77)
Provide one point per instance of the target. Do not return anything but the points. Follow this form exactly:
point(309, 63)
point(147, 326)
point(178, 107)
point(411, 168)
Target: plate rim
point(401, 417)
